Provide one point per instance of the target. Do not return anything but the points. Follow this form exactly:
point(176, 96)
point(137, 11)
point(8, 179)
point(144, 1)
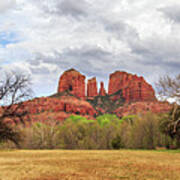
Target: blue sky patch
point(8, 38)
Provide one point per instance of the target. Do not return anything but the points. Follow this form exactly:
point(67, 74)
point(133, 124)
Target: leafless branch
point(169, 87)
point(14, 89)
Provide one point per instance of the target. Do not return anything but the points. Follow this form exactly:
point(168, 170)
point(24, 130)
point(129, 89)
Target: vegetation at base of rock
point(77, 118)
point(106, 119)
point(106, 104)
point(106, 132)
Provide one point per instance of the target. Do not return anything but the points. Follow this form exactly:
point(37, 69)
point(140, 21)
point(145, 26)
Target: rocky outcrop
point(143, 107)
point(92, 88)
point(132, 87)
point(102, 91)
point(121, 84)
point(74, 82)
point(58, 108)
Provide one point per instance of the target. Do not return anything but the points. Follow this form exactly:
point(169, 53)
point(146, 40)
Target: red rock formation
point(133, 88)
point(73, 81)
point(92, 88)
point(58, 108)
point(143, 107)
point(102, 91)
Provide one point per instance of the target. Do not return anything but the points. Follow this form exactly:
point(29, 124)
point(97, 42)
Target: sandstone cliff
point(72, 81)
point(102, 91)
point(133, 88)
point(92, 88)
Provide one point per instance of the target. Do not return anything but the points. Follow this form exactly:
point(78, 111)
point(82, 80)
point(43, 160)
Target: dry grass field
point(89, 165)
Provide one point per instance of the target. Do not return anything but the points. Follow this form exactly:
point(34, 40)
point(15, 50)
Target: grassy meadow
point(89, 165)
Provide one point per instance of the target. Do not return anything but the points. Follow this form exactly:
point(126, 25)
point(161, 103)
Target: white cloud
point(6, 5)
point(95, 37)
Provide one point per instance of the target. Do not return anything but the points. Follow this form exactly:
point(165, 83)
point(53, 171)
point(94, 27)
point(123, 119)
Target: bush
point(143, 132)
point(168, 127)
point(77, 118)
point(108, 119)
point(80, 133)
point(117, 142)
point(40, 136)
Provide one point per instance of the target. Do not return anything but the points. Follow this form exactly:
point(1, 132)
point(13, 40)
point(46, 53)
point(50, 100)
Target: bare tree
point(14, 89)
point(168, 87)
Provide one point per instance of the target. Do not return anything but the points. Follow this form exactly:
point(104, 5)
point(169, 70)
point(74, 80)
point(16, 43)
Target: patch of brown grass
point(89, 165)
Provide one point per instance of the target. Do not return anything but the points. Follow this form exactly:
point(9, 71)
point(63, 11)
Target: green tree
point(77, 118)
point(107, 119)
point(79, 133)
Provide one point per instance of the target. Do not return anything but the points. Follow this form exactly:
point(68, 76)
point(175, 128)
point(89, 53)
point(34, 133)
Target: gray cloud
point(156, 52)
point(70, 7)
point(75, 9)
point(91, 61)
point(120, 30)
point(172, 12)
point(88, 59)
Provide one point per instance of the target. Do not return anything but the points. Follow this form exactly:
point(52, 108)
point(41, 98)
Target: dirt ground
point(89, 165)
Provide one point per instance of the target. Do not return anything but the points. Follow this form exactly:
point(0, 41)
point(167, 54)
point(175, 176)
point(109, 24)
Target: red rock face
point(143, 107)
point(73, 81)
point(92, 88)
point(102, 91)
point(133, 88)
point(58, 108)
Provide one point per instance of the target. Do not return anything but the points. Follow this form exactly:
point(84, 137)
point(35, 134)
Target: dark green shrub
point(117, 142)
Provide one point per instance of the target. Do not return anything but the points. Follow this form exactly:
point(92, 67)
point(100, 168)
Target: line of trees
point(106, 132)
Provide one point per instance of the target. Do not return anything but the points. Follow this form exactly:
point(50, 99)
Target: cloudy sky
point(45, 37)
